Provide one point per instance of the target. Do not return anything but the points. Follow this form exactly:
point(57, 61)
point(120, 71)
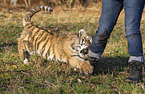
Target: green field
point(46, 77)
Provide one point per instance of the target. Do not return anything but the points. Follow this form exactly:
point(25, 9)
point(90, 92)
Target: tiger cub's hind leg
point(23, 54)
point(20, 49)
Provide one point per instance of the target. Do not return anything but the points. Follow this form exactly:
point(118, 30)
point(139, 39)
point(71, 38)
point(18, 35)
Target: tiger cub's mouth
point(84, 51)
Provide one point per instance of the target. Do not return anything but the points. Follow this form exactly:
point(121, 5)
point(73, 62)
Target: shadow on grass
point(11, 44)
point(8, 44)
point(111, 64)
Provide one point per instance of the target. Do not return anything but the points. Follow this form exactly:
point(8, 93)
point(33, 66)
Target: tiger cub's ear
point(82, 32)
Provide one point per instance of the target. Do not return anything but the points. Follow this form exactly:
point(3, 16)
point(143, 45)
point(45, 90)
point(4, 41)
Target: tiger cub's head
point(85, 41)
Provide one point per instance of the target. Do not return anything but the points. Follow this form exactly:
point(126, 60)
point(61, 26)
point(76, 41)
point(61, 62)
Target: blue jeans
point(110, 12)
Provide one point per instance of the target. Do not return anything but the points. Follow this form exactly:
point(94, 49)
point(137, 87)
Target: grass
point(55, 77)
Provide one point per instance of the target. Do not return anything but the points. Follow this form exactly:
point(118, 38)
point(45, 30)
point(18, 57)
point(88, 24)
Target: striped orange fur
point(71, 48)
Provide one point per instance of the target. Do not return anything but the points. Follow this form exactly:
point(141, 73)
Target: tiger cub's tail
point(28, 16)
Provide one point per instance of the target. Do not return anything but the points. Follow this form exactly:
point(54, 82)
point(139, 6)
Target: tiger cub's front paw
point(86, 68)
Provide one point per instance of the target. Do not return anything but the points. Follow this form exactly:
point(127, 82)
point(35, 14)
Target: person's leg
point(110, 12)
point(133, 12)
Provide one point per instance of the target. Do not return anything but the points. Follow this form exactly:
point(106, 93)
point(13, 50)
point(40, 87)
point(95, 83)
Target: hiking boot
point(93, 61)
point(135, 74)
point(93, 58)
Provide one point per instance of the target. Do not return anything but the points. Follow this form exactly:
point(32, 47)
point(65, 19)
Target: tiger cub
point(71, 48)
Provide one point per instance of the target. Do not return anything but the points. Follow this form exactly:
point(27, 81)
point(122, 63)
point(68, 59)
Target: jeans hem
point(95, 55)
point(137, 58)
